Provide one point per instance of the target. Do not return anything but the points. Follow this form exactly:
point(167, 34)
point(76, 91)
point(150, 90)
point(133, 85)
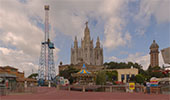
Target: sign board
point(131, 86)
point(154, 83)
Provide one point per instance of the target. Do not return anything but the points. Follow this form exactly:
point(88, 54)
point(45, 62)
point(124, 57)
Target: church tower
point(74, 51)
point(98, 53)
point(86, 53)
point(154, 54)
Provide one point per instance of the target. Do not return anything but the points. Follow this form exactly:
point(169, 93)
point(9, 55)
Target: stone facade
point(154, 54)
point(86, 53)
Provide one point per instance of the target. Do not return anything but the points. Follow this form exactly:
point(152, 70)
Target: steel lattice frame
point(41, 70)
point(51, 64)
point(46, 69)
point(46, 65)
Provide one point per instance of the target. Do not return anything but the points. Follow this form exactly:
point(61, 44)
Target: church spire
point(86, 24)
point(87, 33)
point(75, 42)
point(75, 38)
point(98, 42)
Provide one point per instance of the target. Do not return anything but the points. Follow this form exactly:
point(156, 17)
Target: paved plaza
point(44, 93)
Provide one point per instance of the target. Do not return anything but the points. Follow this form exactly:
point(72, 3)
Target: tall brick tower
point(154, 54)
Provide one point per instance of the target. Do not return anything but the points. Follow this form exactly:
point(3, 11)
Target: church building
point(87, 53)
point(92, 57)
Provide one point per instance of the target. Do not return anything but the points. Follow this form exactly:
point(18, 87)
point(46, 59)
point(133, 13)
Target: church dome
point(154, 45)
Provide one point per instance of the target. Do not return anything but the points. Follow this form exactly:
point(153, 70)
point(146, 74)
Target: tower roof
point(154, 45)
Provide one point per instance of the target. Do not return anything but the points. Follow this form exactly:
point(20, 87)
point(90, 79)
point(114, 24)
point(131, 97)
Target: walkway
point(45, 93)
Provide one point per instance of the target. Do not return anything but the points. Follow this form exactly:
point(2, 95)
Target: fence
point(100, 88)
point(18, 89)
point(3, 91)
point(116, 88)
point(25, 90)
point(165, 89)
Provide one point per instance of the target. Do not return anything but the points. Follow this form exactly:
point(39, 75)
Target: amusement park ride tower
point(46, 71)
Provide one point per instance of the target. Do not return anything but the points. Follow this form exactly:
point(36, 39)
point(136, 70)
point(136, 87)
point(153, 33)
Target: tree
point(101, 78)
point(112, 76)
point(121, 65)
point(34, 75)
point(139, 78)
point(67, 73)
point(155, 72)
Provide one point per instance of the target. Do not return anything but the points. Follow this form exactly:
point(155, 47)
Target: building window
point(127, 77)
point(122, 77)
point(132, 75)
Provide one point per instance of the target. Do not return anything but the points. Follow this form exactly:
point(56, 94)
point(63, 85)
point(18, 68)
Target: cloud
point(17, 59)
point(158, 9)
point(21, 24)
point(139, 58)
point(115, 14)
point(68, 18)
point(21, 36)
point(115, 23)
point(114, 34)
point(18, 30)
point(140, 31)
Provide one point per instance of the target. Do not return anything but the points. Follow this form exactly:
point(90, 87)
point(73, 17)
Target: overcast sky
point(126, 29)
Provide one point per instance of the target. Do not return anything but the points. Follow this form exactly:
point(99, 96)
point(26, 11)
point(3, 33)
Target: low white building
point(125, 74)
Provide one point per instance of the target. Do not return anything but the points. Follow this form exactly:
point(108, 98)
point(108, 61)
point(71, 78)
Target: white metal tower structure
point(46, 69)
